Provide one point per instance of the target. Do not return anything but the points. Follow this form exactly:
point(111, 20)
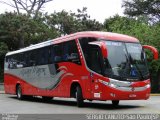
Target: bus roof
point(96, 34)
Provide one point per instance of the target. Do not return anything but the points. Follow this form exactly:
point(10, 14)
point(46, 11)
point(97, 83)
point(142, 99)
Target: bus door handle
point(92, 80)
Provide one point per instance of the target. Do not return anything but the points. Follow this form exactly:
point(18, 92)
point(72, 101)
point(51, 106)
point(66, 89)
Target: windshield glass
point(125, 61)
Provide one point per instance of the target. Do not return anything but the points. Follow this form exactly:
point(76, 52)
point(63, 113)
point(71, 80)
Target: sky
point(97, 9)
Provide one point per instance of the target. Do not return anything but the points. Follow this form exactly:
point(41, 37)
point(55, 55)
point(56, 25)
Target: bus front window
point(125, 61)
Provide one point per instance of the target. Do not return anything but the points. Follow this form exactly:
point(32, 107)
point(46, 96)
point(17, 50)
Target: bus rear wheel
point(79, 96)
point(19, 92)
point(115, 102)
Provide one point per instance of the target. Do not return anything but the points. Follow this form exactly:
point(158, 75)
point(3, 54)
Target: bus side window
point(32, 58)
point(7, 62)
point(42, 56)
point(70, 52)
point(40, 59)
point(20, 60)
point(52, 55)
point(58, 53)
point(46, 55)
point(85, 47)
point(14, 61)
point(26, 59)
point(65, 51)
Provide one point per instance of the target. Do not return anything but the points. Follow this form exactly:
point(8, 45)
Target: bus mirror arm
point(102, 47)
point(153, 50)
point(104, 50)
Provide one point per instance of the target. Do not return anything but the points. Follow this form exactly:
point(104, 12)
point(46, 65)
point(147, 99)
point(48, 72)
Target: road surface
point(10, 104)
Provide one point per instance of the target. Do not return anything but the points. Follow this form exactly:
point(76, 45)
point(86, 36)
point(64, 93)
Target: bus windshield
point(125, 61)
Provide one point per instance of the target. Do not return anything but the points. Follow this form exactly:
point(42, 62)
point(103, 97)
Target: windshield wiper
point(139, 71)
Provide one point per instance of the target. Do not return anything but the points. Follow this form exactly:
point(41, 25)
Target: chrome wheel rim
point(19, 93)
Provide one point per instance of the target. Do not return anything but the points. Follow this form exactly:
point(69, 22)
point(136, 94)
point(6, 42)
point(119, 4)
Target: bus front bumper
point(125, 90)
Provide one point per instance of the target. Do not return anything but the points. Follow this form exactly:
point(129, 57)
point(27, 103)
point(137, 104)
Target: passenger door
point(96, 66)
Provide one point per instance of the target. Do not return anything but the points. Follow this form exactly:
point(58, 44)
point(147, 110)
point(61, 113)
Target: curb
point(2, 92)
point(155, 94)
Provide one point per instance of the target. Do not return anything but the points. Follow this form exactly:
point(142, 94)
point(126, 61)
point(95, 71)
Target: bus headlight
point(104, 82)
point(108, 83)
point(113, 85)
point(148, 86)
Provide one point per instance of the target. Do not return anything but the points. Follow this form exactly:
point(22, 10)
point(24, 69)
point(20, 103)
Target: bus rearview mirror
point(153, 50)
point(102, 47)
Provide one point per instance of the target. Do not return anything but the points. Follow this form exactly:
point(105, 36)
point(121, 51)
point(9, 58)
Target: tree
point(31, 7)
point(3, 51)
point(88, 24)
point(63, 22)
point(149, 8)
point(20, 30)
point(67, 23)
point(15, 28)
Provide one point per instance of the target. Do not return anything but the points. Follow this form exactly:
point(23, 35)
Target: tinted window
point(30, 58)
point(43, 55)
point(14, 61)
point(56, 53)
point(65, 52)
point(86, 48)
point(70, 53)
point(95, 60)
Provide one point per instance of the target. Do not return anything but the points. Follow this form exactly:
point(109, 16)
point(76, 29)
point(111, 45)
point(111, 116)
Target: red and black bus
point(87, 65)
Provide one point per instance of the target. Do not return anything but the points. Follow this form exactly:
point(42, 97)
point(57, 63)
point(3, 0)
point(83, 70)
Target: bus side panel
point(10, 82)
point(72, 73)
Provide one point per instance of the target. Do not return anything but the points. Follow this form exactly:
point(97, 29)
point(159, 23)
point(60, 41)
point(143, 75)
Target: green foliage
point(149, 8)
point(3, 51)
point(67, 23)
point(20, 30)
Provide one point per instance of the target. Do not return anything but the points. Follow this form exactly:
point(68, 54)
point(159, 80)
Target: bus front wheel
point(115, 102)
point(19, 92)
point(79, 96)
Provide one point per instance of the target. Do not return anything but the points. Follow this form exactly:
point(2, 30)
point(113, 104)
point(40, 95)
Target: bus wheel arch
point(73, 89)
point(115, 103)
point(76, 92)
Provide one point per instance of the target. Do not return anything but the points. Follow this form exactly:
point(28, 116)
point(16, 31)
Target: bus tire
point(115, 102)
point(19, 92)
point(47, 98)
point(79, 96)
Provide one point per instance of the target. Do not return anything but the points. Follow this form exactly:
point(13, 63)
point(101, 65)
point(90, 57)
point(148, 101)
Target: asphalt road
point(10, 104)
